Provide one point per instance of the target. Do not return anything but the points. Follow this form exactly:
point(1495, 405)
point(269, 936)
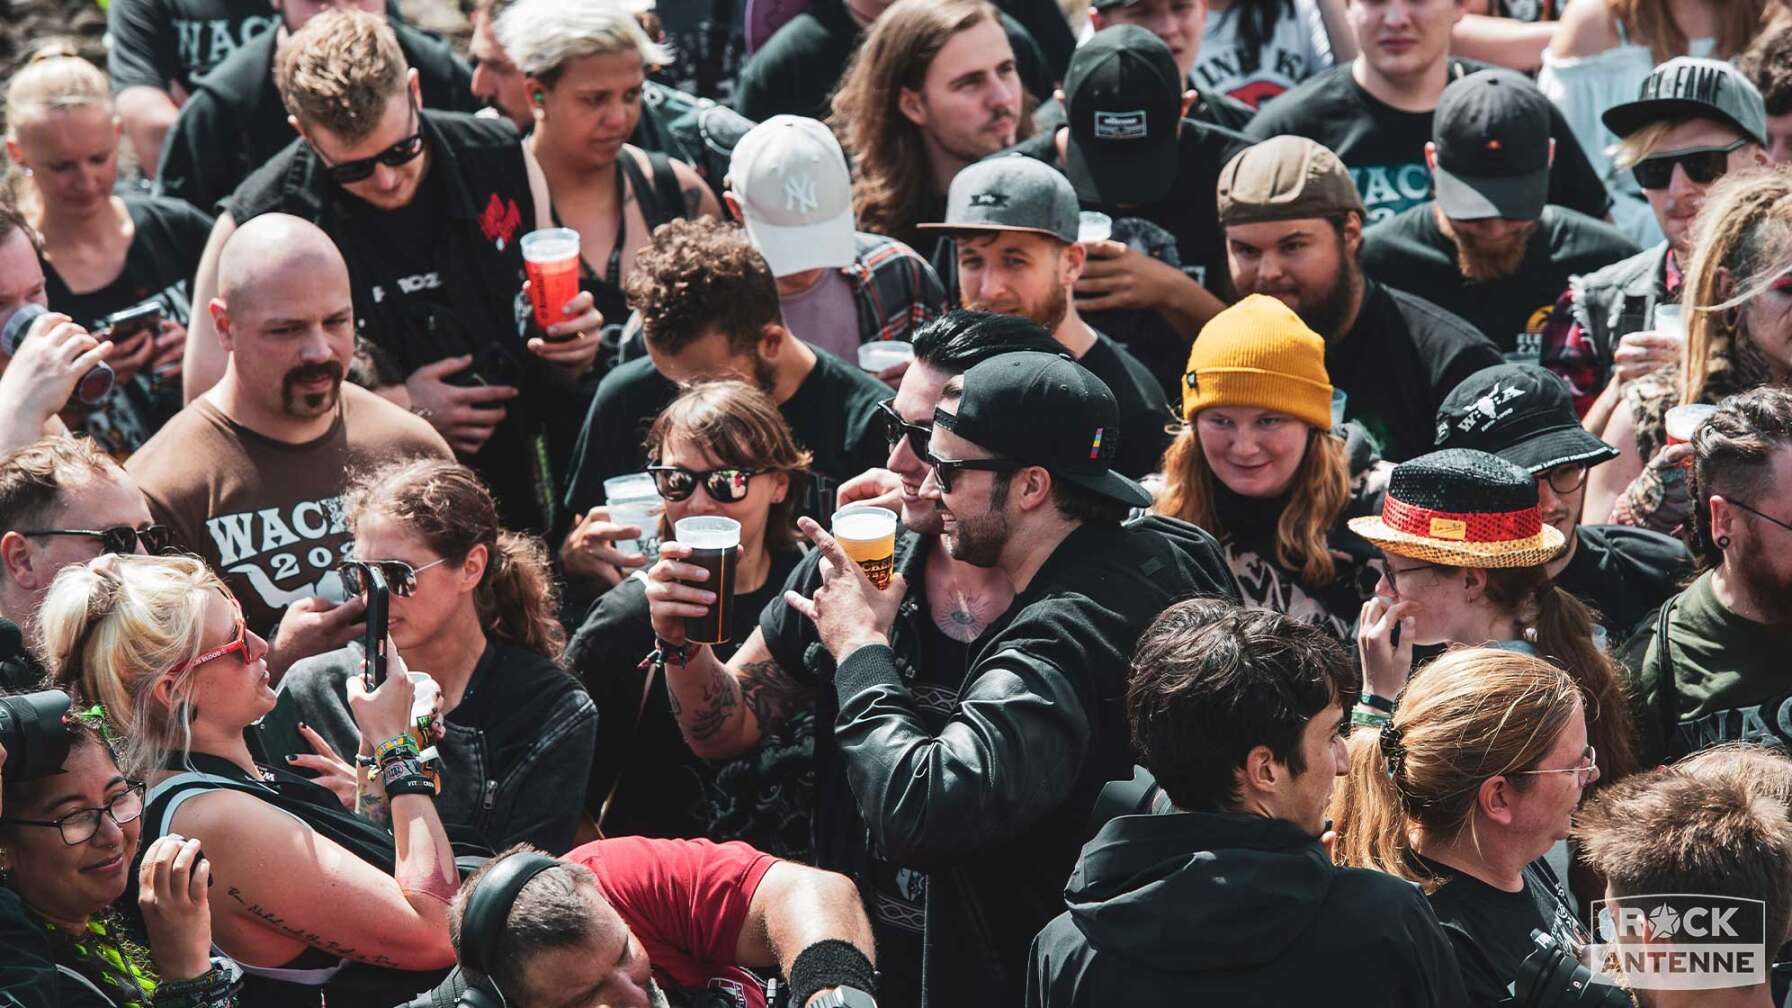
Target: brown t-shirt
point(266, 514)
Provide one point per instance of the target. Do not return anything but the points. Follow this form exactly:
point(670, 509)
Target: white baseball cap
point(795, 194)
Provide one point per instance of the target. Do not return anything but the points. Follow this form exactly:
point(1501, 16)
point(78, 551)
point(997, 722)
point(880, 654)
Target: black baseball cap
point(1492, 137)
point(1687, 87)
point(1523, 414)
point(1046, 410)
point(1123, 100)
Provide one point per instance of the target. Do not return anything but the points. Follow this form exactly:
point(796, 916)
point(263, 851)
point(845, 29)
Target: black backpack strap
point(1664, 674)
point(661, 201)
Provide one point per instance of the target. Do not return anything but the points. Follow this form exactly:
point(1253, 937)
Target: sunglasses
point(400, 577)
point(401, 153)
point(118, 538)
point(724, 486)
point(1704, 165)
point(946, 470)
point(896, 429)
point(238, 644)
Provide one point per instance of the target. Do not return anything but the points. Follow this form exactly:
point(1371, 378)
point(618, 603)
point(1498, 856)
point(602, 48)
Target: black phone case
point(374, 644)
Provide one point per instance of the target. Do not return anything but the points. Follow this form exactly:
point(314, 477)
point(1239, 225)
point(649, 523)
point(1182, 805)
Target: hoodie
point(1202, 908)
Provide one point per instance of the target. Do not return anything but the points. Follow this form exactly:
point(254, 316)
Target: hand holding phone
point(373, 643)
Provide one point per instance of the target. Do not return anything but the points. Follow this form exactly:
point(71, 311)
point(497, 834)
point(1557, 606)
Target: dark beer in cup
point(715, 547)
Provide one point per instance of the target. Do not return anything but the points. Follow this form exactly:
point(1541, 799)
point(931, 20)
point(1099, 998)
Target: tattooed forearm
point(720, 698)
point(770, 694)
point(371, 806)
point(311, 938)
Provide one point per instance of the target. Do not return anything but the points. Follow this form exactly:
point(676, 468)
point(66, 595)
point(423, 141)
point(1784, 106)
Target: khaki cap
point(1285, 178)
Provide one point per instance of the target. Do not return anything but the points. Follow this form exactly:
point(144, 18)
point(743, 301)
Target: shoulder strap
point(1664, 673)
point(665, 188)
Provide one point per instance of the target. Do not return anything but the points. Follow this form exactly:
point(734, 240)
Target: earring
point(541, 97)
point(25, 170)
point(1723, 542)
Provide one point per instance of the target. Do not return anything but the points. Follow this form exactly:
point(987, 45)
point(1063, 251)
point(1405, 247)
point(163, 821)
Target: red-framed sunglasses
point(237, 645)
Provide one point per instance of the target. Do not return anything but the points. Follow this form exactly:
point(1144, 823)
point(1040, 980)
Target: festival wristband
point(1369, 717)
point(396, 747)
point(830, 962)
point(402, 777)
point(1379, 703)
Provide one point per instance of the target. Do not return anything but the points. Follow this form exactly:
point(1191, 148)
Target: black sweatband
point(829, 963)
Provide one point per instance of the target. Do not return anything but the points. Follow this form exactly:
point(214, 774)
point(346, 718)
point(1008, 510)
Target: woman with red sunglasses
point(307, 898)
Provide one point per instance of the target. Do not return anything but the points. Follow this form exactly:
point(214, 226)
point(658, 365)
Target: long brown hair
point(740, 426)
point(1319, 494)
point(1561, 628)
point(445, 504)
point(1742, 243)
point(1474, 713)
point(890, 171)
point(1652, 21)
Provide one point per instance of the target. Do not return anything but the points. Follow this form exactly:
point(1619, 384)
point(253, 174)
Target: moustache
point(312, 372)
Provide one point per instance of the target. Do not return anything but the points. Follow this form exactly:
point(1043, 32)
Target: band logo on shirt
point(410, 285)
point(1766, 723)
point(203, 43)
point(1389, 189)
point(285, 554)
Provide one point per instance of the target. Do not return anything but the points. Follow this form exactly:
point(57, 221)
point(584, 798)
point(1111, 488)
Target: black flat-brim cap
point(1046, 410)
point(1123, 100)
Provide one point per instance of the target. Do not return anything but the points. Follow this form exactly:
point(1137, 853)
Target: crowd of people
point(1338, 455)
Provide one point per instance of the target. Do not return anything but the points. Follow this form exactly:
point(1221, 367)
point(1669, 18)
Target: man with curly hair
point(709, 308)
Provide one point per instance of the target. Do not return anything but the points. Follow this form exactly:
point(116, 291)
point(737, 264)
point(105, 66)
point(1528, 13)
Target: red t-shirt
point(686, 901)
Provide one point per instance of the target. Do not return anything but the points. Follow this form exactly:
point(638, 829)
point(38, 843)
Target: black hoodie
point(1196, 908)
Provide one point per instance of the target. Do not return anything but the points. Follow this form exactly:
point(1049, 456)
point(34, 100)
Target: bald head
point(274, 248)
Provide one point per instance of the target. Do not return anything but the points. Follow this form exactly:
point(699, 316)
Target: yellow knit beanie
point(1259, 353)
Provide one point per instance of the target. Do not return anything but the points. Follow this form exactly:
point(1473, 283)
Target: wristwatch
point(842, 997)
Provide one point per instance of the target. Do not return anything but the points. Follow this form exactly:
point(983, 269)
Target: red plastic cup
point(551, 261)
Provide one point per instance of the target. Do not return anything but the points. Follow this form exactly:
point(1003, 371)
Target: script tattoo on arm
point(770, 694)
point(720, 697)
point(311, 938)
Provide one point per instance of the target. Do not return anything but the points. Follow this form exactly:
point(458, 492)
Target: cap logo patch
point(1490, 409)
point(799, 193)
point(989, 199)
point(1120, 125)
point(1095, 445)
point(1453, 529)
point(1493, 145)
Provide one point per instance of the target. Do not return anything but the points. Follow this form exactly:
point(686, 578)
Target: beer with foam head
point(868, 535)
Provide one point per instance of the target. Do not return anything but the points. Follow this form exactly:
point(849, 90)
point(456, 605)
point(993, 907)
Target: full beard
point(979, 541)
point(1488, 261)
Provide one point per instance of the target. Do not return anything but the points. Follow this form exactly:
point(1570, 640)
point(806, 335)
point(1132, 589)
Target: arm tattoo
point(770, 694)
point(371, 806)
point(311, 938)
point(719, 700)
point(693, 201)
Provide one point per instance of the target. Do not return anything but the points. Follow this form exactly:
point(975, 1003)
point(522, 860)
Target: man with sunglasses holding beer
point(1694, 121)
point(428, 209)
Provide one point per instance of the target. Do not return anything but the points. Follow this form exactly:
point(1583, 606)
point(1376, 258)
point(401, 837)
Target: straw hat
point(1463, 508)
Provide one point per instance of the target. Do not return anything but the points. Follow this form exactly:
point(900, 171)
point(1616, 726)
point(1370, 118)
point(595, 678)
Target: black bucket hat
point(1523, 414)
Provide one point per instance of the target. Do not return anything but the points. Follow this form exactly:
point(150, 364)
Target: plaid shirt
point(1568, 349)
point(895, 289)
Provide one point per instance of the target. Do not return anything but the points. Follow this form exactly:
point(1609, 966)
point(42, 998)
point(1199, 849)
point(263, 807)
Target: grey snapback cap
point(1690, 87)
point(1011, 192)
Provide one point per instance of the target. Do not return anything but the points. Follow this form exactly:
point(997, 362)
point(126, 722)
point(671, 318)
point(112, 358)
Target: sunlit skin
point(1677, 206)
point(590, 110)
point(21, 275)
point(388, 188)
point(1400, 40)
point(69, 884)
point(915, 399)
point(968, 105)
point(1304, 264)
point(444, 592)
point(496, 80)
point(1179, 23)
point(609, 968)
point(73, 158)
point(1779, 138)
point(1254, 452)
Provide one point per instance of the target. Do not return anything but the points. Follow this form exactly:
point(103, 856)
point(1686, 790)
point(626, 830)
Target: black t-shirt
point(158, 42)
point(170, 237)
point(662, 789)
point(1384, 147)
point(1625, 574)
point(1182, 230)
point(1144, 415)
point(1412, 250)
point(797, 70)
point(235, 121)
point(1491, 928)
point(833, 414)
point(1398, 362)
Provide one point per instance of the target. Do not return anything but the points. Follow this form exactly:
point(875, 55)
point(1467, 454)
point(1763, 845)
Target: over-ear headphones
point(481, 928)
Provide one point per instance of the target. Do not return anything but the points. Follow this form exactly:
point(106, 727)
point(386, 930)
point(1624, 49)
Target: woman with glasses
point(1464, 551)
point(1475, 778)
point(103, 253)
point(1259, 466)
point(1737, 303)
point(68, 846)
point(473, 607)
point(306, 897)
point(721, 448)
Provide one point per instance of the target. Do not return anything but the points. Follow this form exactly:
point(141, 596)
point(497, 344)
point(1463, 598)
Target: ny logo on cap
point(1120, 125)
point(799, 193)
point(991, 199)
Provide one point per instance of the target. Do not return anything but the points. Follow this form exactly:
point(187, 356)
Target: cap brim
point(1562, 446)
point(952, 229)
point(823, 245)
point(1109, 484)
point(1529, 552)
point(1513, 197)
point(1629, 117)
point(1119, 174)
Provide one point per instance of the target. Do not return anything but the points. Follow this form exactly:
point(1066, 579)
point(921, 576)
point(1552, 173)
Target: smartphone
point(374, 644)
point(122, 326)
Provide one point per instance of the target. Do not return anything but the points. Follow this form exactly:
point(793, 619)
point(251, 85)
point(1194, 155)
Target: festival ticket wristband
point(396, 747)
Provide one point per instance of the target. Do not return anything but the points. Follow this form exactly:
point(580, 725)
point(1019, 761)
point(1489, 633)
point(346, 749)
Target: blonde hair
point(1744, 229)
point(1318, 495)
point(114, 626)
point(1473, 714)
point(339, 71)
point(1640, 144)
point(52, 80)
point(543, 36)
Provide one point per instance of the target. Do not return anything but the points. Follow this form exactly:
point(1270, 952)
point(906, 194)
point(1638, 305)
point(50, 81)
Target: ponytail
point(517, 599)
point(1367, 811)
